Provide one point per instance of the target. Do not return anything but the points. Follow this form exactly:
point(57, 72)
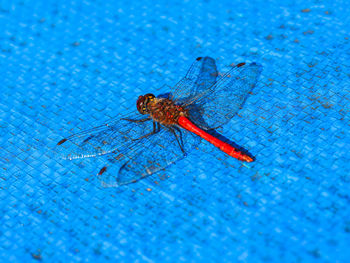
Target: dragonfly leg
point(142, 120)
point(156, 128)
point(178, 137)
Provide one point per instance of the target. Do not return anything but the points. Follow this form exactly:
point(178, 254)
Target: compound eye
point(139, 104)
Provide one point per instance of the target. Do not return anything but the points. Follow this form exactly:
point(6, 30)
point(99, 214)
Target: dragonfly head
point(142, 103)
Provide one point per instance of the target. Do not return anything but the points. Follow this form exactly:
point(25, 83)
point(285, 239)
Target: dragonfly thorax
point(165, 111)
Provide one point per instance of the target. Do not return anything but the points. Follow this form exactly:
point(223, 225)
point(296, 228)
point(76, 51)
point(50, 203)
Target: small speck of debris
point(296, 40)
point(75, 44)
point(37, 256)
point(269, 37)
point(149, 189)
point(327, 105)
point(312, 65)
point(327, 12)
point(306, 10)
point(308, 32)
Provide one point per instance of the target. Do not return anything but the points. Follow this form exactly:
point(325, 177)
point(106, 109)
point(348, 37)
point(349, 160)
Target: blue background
point(67, 66)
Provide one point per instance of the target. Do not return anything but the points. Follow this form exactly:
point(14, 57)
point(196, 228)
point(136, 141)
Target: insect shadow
point(166, 95)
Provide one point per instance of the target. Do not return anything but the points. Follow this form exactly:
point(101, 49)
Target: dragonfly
point(164, 129)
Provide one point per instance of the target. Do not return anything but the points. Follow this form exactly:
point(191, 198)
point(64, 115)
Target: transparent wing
point(200, 76)
point(150, 155)
point(218, 104)
point(207, 76)
point(117, 133)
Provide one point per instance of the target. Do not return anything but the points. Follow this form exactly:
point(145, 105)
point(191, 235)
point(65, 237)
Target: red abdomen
point(223, 146)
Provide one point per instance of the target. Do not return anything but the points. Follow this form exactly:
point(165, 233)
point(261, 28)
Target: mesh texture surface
point(71, 65)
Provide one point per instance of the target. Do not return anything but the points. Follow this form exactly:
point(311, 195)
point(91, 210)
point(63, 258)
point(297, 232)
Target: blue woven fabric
point(69, 65)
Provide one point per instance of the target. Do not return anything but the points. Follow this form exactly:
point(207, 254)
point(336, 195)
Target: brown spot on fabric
point(306, 10)
point(308, 32)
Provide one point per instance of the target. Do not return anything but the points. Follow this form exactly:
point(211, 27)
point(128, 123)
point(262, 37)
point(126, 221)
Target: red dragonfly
point(165, 128)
